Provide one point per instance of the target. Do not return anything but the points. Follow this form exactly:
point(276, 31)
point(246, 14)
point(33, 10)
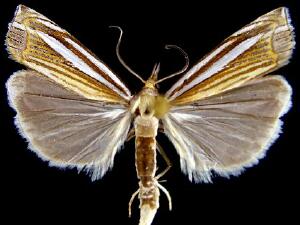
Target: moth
point(221, 115)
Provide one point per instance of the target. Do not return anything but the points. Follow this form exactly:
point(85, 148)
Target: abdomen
point(145, 144)
point(145, 156)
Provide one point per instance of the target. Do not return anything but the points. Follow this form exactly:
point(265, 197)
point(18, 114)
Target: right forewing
point(64, 127)
point(227, 132)
point(262, 46)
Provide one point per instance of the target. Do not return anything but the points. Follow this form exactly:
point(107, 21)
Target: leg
point(161, 128)
point(131, 200)
point(130, 135)
point(167, 194)
point(167, 160)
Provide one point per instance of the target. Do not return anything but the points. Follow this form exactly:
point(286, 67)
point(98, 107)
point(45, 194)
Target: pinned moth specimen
point(221, 115)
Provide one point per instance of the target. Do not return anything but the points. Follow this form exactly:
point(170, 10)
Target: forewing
point(40, 44)
point(257, 49)
point(227, 132)
point(64, 127)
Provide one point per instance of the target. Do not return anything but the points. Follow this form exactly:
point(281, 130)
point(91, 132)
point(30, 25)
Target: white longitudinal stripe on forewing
point(218, 65)
point(76, 61)
point(198, 66)
point(18, 25)
point(98, 63)
point(50, 25)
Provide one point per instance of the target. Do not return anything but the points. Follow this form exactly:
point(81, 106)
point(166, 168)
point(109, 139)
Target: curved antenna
point(180, 71)
point(119, 56)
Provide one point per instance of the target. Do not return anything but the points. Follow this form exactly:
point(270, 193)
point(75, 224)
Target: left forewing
point(227, 132)
point(43, 46)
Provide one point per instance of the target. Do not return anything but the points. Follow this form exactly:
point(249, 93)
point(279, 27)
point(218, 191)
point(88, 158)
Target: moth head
point(149, 102)
point(152, 81)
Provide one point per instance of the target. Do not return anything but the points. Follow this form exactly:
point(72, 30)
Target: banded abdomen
point(145, 132)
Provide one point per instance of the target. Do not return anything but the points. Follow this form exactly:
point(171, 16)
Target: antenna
point(120, 58)
point(180, 71)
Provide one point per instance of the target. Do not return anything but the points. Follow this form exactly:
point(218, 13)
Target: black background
point(33, 192)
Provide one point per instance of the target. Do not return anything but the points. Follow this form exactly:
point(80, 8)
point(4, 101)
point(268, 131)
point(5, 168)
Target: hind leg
point(167, 160)
point(131, 201)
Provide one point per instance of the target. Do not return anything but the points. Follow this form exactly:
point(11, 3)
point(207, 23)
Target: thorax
point(148, 104)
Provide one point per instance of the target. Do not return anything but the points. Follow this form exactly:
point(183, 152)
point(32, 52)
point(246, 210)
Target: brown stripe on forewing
point(33, 21)
point(237, 40)
point(102, 90)
point(46, 54)
point(60, 37)
point(223, 84)
point(260, 51)
point(206, 66)
point(256, 54)
point(238, 75)
point(87, 81)
point(91, 64)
